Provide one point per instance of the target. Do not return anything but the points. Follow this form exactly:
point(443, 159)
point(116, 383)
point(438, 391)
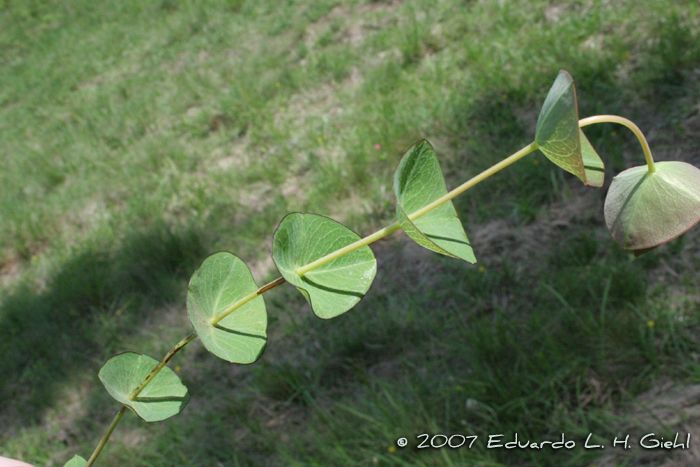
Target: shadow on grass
point(86, 305)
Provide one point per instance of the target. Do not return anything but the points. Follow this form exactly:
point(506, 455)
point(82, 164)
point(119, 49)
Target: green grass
point(137, 138)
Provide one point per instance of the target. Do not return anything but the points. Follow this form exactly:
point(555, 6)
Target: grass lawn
point(137, 138)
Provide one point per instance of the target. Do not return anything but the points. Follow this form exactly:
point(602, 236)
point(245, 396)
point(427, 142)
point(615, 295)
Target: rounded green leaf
point(221, 281)
point(335, 287)
point(76, 461)
point(644, 209)
point(418, 181)
point(162, 398)
point(557, 133)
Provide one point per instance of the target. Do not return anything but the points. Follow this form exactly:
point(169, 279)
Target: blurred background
point(137, 138)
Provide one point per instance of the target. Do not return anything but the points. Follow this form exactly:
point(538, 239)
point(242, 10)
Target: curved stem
point(162, 363)
point(106, 436)
point(424, 210)
point(629, 124)
point(215, 320)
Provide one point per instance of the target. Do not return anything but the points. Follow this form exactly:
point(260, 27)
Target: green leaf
point(592, 164)
point(418, 181)
point(221, 281)
point(644, 209)
point(76, 461)
point(162, 398)
point(557, 133)
point(335, 287)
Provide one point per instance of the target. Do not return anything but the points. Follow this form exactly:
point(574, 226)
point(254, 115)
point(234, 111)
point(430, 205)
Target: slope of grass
point(140, 137)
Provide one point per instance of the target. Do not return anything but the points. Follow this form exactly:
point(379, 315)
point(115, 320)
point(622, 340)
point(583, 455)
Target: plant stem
point(215, 320)
point(364, 242)
point(162, 363)
point(349, 248)
point(380, 233)
point(303, 270)
point(473, 181)
point(106, 436)
point(421, 212)
point(629, 124)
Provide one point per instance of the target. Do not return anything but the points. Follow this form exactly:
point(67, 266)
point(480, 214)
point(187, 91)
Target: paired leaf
point(221, 281)
point(335, 287)
point(645, 209)
point(162, 398)
point(559, 137)
point(76, 461)
point(418, 181)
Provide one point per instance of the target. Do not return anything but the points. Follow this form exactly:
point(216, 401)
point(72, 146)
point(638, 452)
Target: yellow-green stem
point(215, 320)
point(629, 124)
point(380, 233)
point(350, 248)
point(106, 436)
point(366, 241)
point(395, 226)
point(303, 270)
point(162, 363)
point(473, 181)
